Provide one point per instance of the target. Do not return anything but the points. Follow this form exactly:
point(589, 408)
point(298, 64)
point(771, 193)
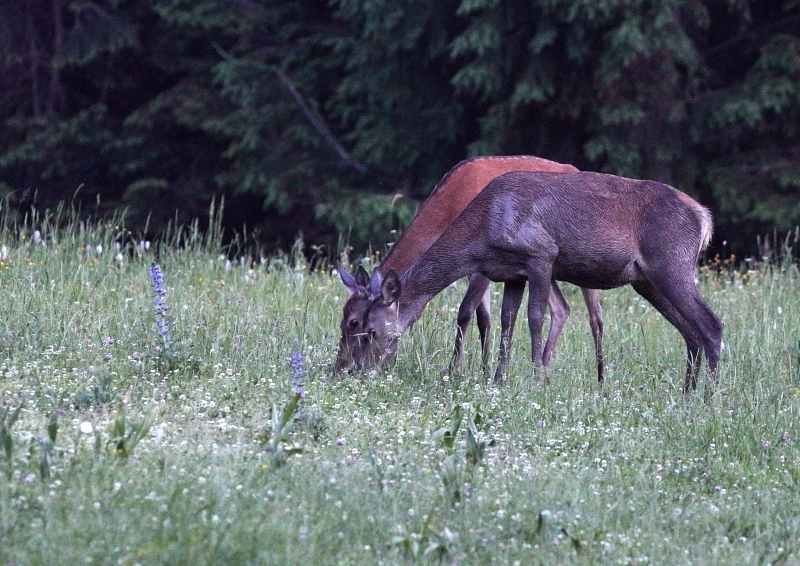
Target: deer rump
point(593, 230)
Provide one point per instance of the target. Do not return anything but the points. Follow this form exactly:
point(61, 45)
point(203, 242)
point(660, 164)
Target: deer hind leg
point(693, 308)
point(559, 311)
point(476, 300)
point(512, 297)
point(694, 344)
point(596, 324)
point(682, 305)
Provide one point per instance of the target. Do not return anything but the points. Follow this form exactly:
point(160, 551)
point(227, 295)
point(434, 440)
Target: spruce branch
point(318, 123)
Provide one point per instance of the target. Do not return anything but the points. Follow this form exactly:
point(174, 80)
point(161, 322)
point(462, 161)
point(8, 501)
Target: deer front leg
point(484, 321)
point(596, 324)
point(539, 286)
point(474, 301)
point(512, 297)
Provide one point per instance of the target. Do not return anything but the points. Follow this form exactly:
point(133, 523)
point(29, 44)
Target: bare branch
point(33, 52)
point(55, 102)
point(749, 34)
point(763, 169)
point(248, 5)
point(318, 124)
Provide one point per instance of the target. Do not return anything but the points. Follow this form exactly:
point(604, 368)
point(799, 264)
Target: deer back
point(449, 199)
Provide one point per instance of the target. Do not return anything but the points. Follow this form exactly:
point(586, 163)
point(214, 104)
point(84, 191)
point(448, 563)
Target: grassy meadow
point(219, 436)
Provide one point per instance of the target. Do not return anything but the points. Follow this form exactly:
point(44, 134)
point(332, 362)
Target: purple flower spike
point(160, 304)
point(298, 373)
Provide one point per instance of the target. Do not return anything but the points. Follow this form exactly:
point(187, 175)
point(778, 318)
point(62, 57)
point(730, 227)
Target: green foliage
point(757, 181)
point(98, 395)
point(124, 435)
point(413, 465)
point(366, 218)
point(300, 111)
point(279, 445)
point(392, 98)
point(47, 443)
point(7, 421)
point(617, 72)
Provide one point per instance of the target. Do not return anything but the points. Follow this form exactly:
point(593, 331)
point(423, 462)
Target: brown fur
point(449, 198)
point(592, 230)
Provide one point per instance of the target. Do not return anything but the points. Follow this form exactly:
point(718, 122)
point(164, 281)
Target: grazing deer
point(589, 229)
point(450, 197)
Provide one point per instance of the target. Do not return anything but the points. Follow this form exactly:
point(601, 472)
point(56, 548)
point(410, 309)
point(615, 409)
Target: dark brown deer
point(450, 197)
point(592, 230)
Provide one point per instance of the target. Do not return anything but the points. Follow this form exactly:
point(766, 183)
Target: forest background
point(335, 118)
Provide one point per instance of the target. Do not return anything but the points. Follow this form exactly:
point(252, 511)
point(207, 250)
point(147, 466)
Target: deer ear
point(349, 281)
point(375, 282)
point(362, 277)
point(390, 288)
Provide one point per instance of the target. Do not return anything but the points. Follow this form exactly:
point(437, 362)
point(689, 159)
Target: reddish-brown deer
point(450, 197)
point(590, 229)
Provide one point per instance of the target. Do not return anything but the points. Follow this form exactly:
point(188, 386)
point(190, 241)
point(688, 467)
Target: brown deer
point(448, 199)
point(589, 229)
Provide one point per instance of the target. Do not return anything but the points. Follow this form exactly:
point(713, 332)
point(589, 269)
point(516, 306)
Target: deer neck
point(423, 281)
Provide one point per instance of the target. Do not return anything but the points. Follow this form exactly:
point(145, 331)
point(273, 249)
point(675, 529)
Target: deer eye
point(353, 322)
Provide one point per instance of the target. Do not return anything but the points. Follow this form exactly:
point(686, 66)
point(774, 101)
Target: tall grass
point(237, 445)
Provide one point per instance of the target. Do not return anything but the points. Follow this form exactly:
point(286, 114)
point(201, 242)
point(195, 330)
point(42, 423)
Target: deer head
point(363, 289)
point(381, 324)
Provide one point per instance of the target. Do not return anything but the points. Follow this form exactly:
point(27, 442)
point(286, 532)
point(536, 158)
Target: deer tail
point(706, 227)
